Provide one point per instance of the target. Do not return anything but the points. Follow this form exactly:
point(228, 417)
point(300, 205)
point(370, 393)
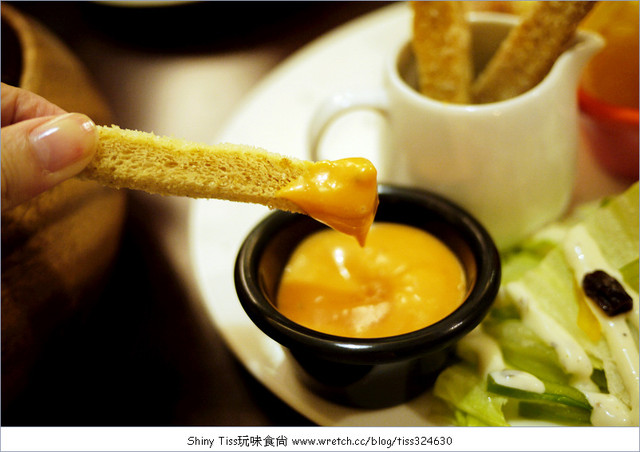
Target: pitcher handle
point(337, 105)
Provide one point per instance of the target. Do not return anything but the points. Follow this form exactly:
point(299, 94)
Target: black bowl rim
point(430, 339)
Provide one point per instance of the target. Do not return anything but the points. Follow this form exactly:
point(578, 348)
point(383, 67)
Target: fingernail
point(63, 141)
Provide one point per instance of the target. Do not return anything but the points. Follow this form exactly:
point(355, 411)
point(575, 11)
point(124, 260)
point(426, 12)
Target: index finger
point(19, 105)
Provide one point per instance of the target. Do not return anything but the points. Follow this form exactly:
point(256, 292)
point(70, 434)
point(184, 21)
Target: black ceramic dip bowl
point(377, 372)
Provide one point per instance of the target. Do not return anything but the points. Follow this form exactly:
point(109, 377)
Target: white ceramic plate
point(276, 117)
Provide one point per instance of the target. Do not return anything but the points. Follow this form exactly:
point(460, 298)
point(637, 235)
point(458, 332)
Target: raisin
point(607, 292)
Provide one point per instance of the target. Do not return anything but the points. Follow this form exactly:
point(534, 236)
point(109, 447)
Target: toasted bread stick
point(168, 166)
point(441, 45)
point(508, 7)
point(529, 51)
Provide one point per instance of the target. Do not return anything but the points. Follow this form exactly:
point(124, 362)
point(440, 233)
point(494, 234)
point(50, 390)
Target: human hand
point(42, 145)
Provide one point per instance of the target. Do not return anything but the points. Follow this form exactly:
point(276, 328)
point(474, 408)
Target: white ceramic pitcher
point(510, 163)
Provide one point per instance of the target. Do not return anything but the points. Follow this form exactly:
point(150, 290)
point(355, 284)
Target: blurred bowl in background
point(611, 132)
point(608, 94)
point(612, 74)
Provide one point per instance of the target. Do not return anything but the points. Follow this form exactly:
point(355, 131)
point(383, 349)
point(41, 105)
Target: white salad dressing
point(584, 256)
point(608, 410)
point(479, 347)
point(572, 356)
point(518, 379)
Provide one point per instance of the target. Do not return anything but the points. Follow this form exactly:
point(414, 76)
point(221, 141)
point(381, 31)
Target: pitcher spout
point(586, 44)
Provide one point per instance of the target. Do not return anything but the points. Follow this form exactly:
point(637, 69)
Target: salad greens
point(547, 352)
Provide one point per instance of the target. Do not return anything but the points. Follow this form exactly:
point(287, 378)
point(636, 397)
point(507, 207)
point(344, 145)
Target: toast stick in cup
point(342, 194)
point(441, 45)
point(529, 51)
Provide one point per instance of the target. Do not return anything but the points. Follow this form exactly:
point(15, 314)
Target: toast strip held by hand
point(169, 166)
point(341, 194)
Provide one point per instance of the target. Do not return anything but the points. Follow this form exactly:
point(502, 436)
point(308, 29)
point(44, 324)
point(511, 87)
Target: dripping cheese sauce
point(343, 194)
point(401, 280)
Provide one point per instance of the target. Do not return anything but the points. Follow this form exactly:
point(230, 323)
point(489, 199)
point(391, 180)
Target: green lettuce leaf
point(539, 266)
point(462, 387)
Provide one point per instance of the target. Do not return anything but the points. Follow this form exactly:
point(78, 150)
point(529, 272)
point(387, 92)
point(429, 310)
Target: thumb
point(42, 152)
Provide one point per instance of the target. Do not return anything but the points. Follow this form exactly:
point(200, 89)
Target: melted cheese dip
point(343, 194)
point(402, 280)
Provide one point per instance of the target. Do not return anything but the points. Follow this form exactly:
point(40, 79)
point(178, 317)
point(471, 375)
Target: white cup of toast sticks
point(511, 162)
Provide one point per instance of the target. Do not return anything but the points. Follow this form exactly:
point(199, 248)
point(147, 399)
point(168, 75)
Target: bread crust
point(527, 54)
point(169, 166)
point(442, 48)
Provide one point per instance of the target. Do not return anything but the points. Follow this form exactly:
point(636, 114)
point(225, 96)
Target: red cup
point(612, 134)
